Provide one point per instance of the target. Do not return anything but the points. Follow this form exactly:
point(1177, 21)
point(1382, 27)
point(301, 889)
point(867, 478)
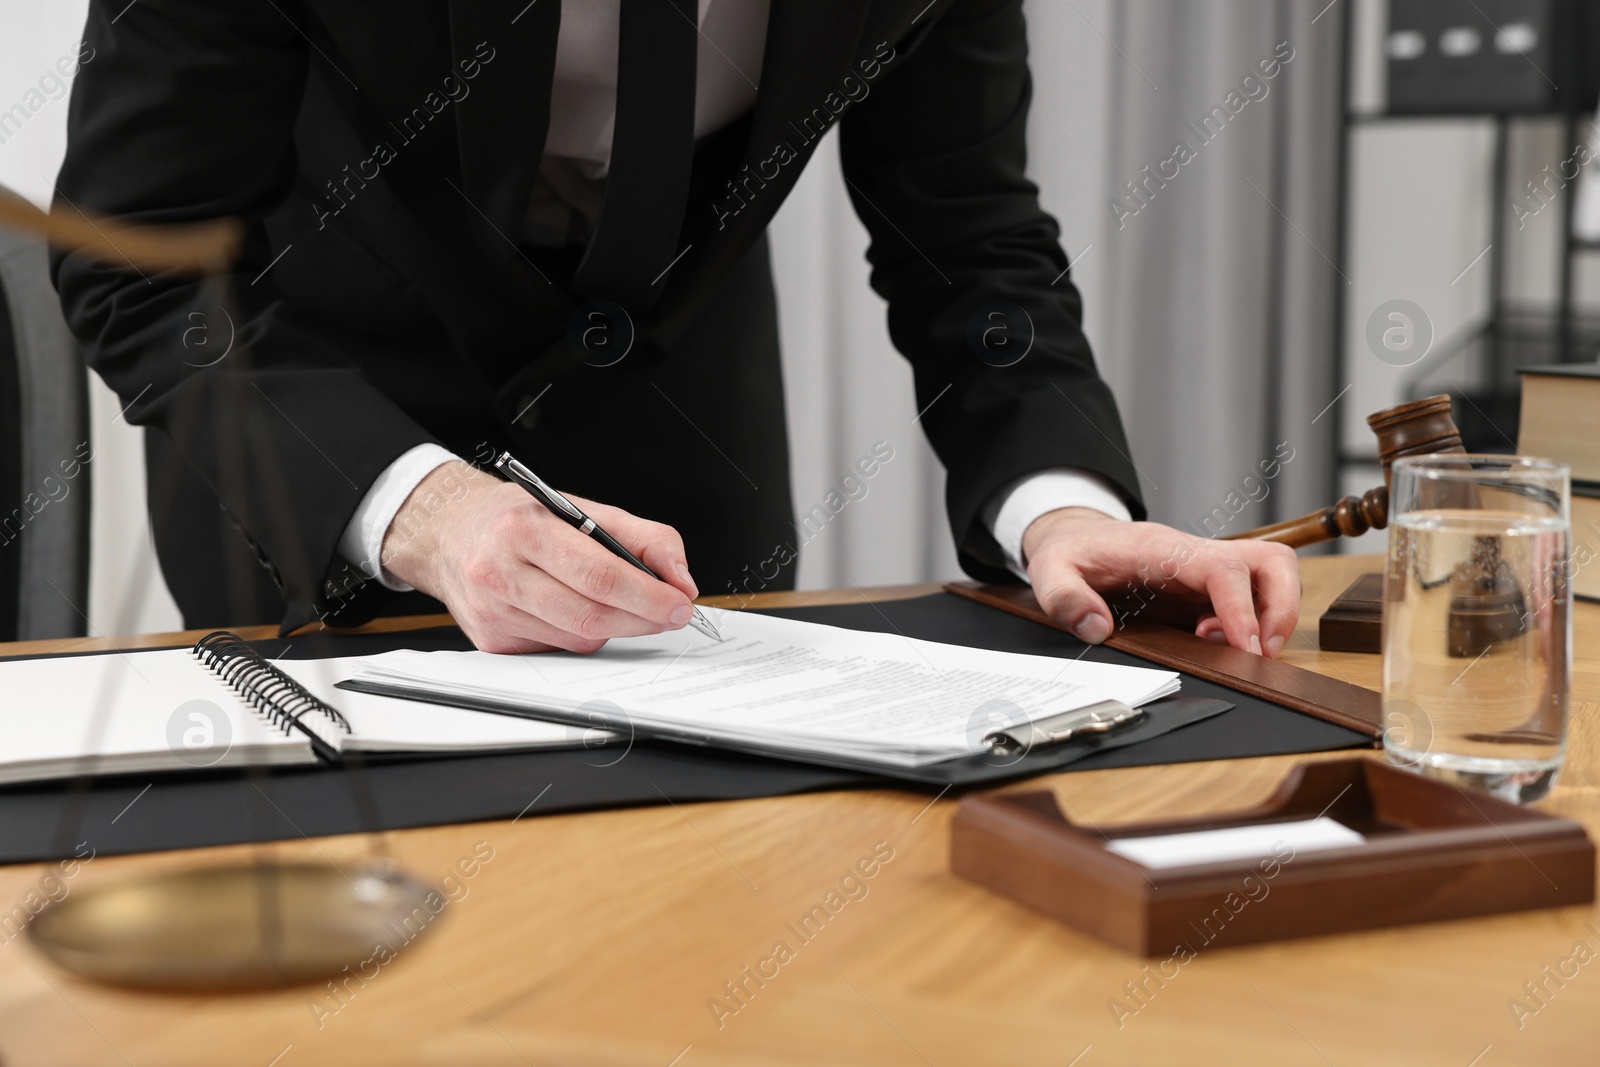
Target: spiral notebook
point(220, 704)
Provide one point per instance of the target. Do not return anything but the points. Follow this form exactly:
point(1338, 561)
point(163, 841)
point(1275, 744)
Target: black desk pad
point(147, 813)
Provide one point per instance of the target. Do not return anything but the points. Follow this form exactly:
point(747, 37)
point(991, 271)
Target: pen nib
point(700, 621)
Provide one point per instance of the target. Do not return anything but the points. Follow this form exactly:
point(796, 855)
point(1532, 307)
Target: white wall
point(35, 36)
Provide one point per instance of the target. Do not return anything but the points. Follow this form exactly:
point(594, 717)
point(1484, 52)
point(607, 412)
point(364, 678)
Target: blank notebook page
point(160, 711)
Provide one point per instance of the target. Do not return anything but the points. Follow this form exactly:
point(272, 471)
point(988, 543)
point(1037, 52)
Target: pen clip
point(1097, 718)
point(549, 496)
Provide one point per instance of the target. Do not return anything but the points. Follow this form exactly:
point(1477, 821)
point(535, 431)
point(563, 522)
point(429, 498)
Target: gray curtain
point(1220, 303)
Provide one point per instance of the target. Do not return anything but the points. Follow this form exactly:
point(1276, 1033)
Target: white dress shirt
point(583, 106)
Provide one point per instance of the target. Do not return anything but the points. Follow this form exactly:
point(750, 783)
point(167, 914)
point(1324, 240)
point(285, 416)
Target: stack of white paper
point(782, 684)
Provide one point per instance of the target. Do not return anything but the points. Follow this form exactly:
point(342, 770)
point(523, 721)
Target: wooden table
point(604, 938)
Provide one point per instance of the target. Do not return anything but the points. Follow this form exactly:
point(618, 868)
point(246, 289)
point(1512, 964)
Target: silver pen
point(570, 513)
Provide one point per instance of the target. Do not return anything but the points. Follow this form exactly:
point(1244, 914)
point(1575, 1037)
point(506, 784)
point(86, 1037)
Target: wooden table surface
point(604, 939)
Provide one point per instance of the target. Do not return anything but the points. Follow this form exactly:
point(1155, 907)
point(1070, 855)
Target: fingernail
point(681, 615)
point(1274, 646)
point(1216, 637)
point(1092, 629)
point(1255, 645)
point(683, 576)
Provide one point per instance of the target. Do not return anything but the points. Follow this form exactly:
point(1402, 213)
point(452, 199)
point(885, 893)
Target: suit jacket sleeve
point(935, 157)
point(185, 111)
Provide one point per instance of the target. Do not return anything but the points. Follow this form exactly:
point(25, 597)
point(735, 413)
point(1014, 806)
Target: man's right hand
point(519, 579)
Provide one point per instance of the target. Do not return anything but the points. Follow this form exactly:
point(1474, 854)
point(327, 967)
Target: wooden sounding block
point(1354, 622)
point(1486, 607)
point(1431, 852)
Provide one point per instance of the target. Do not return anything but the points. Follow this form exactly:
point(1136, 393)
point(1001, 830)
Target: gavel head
point(1421, 428)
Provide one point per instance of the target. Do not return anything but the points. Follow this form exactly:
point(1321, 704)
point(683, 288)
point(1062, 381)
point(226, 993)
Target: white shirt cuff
point(362, 543)
point(1012, 509)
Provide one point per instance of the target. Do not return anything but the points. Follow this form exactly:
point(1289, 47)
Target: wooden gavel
point(1421, 428)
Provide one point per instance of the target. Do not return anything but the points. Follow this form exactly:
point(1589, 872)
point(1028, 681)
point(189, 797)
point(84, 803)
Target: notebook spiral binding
point(274, 694)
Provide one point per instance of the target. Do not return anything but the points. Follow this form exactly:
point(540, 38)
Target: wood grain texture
point(1280, 681)
point(1432, 852)
point(599, 938)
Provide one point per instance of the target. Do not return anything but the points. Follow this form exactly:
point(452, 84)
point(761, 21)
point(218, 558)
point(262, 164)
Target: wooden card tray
point(1432, 852)
point(1305, 691)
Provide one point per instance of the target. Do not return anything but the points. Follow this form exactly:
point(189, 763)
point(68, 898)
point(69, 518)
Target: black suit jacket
point(382, 156)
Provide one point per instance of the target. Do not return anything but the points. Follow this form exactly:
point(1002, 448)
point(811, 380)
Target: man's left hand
point(1092, 572)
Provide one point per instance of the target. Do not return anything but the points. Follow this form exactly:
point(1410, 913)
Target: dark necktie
point(635, 238)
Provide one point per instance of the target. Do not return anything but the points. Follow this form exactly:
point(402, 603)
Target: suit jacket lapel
point(501, 132)
point(812, 45)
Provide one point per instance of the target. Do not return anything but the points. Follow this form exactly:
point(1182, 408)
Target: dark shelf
point(1378, 118)
point(1482, 370)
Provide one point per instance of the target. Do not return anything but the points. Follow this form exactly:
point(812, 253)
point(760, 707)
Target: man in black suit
point(538, 225)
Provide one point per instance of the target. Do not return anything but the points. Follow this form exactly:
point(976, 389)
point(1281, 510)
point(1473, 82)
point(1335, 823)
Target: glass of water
point(1477, 621)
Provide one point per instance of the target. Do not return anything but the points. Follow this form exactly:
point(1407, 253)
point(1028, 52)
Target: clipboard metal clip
point(1098, 718)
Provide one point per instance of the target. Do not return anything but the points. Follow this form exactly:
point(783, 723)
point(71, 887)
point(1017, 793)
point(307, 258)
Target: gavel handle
point(1350, 517)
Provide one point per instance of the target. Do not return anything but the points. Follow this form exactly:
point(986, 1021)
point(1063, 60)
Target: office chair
point(44, 451)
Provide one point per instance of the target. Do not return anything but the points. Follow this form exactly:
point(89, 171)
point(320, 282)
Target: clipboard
point(984, 766)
